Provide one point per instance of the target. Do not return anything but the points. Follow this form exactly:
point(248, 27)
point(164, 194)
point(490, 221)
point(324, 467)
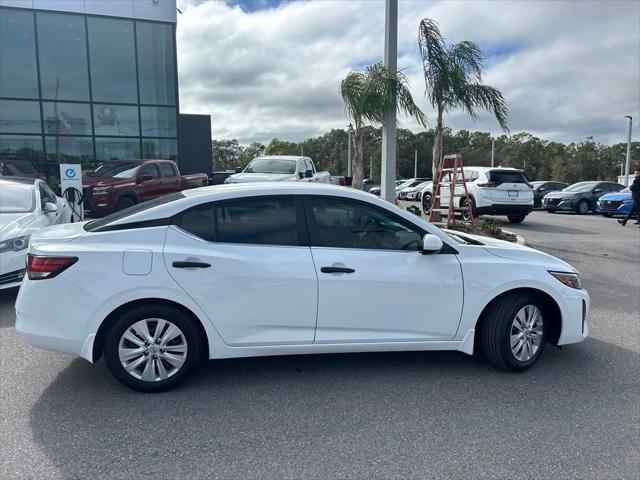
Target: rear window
point(97, 224)
point(167, 170)
point(507, 177)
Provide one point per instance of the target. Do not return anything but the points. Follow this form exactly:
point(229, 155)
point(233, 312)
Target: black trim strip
point(156, 222)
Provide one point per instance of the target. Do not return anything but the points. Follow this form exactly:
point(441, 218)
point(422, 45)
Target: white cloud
point(567, 68)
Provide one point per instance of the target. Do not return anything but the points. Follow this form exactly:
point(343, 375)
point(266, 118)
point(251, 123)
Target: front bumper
point(12, 268)
point(559, 204)
point(613, 208)
point(575, 313)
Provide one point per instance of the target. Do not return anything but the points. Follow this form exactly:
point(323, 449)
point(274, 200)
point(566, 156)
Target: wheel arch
point(551, 310)
point(98, 343)
point(127, 194)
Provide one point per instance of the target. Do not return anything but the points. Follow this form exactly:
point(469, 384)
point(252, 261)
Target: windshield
point(115, 170)
point(581, 187)
point(272, 165)
point(626, 190)
point(537, 184)
point(94, 225)
point(16, 197)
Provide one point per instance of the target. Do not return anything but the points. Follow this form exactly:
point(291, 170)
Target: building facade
point(85, 81)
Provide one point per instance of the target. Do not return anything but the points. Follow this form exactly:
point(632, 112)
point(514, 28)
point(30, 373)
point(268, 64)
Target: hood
point(513, 251)
point(562, 194)
point(58, 233)
point(103, 181)
point(617, 196)
point(262, 177)
point(13, 224)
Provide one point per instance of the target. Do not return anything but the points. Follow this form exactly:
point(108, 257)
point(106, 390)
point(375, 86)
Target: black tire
point(551, 211)
point(124, 202)
point(497, 330)
point(427, 200)
point(465, 211)
point(191, 336)
point(582, 208)
point(516, 218)
point(608, 215)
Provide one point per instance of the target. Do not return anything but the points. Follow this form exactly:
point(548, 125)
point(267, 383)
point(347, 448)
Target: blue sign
point(70, 173)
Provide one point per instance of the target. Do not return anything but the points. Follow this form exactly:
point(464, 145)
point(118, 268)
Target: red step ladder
point(451, 165)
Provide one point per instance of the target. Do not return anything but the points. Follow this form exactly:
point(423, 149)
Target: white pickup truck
point(281, 168)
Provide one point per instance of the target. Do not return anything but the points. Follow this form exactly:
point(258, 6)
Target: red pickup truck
point(116, 185)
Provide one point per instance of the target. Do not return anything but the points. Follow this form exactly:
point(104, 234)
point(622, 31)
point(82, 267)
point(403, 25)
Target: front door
point(373, 283)
point(248, 269)
point(149, 183)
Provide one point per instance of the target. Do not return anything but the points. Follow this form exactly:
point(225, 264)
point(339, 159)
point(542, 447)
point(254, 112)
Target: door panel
point(253, 294)
point(391, 296)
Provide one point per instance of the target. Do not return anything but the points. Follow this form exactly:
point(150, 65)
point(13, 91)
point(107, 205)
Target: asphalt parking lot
point(393, 415)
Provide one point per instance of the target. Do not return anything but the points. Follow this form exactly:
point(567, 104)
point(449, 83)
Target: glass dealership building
point(86, 81)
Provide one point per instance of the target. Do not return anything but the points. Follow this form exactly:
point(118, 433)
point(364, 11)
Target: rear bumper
point(505, 209)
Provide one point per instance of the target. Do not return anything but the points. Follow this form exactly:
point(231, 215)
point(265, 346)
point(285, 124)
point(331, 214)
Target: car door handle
point(190, 265)
point(337, 270)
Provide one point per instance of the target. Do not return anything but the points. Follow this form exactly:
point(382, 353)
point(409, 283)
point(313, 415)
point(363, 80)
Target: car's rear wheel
point(583, 207)
point(464, 205)
point(513, 332)
point(516, 218)
point(153, 348)
point(123, 203)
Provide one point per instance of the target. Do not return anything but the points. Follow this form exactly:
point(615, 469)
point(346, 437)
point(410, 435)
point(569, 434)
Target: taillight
point(39, 268)
point(487, 184)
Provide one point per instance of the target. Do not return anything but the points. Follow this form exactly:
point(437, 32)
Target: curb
point(520, 240)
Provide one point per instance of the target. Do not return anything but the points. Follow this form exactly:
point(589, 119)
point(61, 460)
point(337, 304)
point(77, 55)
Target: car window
point(150, 169)
point(16, 197)
point(308, 165)
point(199, 222)
point(167, 170)
point(341, 223)
point(501, 177)
point(46, 195)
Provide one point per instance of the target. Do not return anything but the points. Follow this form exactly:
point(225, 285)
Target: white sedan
point(279, 269)
point(26, 205)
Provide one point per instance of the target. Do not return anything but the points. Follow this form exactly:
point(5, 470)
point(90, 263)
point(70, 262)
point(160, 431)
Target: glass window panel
point(199, 222)
point(159, 122)
point(18, 69)
point(18, 116)
point(66, 118)
point(113, 62)
point(118, 120)
point(156, 63)
point(117, 149)
point(19, 151)
point(159, 149)
point(70, 150)
point(63, 56)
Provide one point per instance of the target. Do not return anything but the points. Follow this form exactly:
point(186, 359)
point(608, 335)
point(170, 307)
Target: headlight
point(101, 190)
point(569, 279)
point(14, 244)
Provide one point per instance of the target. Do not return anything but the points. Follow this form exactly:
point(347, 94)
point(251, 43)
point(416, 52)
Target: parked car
point(492, 191)
point(218, 178)
point(408, 184)
point(367, 184)
point(580, 197)
point(282, 168)
point(615, 203)
point(279, 269)
point(377, 188)
point(410, 194)
point(116, 185)
point(15, 166)
point(541, 188)
point(26, 205)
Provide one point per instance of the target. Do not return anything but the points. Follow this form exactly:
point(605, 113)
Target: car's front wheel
point(583, 207)
point(513, 332)
point(516, 218)
point(426, 202)
point(152, 348)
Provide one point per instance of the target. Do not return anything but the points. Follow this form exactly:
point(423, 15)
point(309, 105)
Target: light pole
point(349, 130)
point(626, 167)
point(415, 165)
point(388, 173)
point(493, 152)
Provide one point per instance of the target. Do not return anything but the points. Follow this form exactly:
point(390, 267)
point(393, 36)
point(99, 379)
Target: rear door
point(247, 264)
point(509, 187)
point(170, 180)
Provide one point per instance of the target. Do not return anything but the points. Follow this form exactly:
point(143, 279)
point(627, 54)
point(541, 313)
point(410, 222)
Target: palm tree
point(453, 78)
point(367, 95)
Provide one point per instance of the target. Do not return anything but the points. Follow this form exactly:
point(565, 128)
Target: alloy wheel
point(152, 349)
point(527, 330)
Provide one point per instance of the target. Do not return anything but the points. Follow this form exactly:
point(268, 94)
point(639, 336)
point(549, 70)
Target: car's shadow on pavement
point(279, 417)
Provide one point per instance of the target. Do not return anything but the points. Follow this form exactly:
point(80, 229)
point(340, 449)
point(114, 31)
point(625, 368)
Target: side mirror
point(308, 174)
point(301, 174)
point(49, 207)
point(146, 177)
point(542, 189)
point(598, 190)
point(431, 244)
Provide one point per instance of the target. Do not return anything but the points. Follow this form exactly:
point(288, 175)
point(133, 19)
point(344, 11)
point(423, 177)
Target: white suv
point(493, 191)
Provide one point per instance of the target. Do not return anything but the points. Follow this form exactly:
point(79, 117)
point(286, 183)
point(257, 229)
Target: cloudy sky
point(272, 68)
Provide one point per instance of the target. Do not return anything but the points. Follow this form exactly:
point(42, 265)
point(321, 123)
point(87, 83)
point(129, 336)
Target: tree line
point(541, 159)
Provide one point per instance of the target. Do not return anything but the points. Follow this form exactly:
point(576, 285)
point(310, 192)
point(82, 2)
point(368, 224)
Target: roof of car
point(23, 180)
point(274, 188)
